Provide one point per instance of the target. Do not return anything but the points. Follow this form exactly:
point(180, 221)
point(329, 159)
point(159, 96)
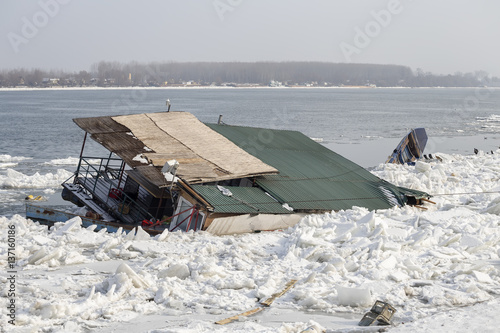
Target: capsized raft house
point(170, 170)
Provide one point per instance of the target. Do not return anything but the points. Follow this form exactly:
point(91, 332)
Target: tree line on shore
point(116, 74)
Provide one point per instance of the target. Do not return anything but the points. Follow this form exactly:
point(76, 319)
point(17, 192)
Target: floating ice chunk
point(16, 179)
point(178, 270)
point(422, 166)
point(391, 246)
point(138, 281)
point(109, 244)
point(482, 277)
point(389, 263)
point(163, 236)
point(368, 219)
point(234, 282)
point(8, 158)
point(351, 266)
point(354, 296)
point(42, 240)
point(494, 206)
point(420, 238)
point(55, 310)
point(111, 291)
point(91, 294)
point(312, 302)
point(54, 255)
point(311, 277)
point(37, 256)
point(7, 165)
point(470, 241)
point(412, 266)
point(69, 226)
point(451, 240)
point(313, 327)
point(64, 161)
point(130, 235)
point(141, 234)
point(73, 258)
point(399, 276)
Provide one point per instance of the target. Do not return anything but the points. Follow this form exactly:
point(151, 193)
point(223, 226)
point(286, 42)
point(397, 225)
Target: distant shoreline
point(221, 87)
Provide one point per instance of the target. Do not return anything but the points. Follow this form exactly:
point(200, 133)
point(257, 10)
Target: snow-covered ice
point(16, 179)
point(438, 267)
point(9, 158)
point(73, 161)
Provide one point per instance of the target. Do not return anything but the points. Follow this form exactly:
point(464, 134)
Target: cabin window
point(186, 217)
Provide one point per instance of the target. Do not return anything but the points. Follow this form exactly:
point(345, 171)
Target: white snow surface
point(438, 267)
point(140, 158)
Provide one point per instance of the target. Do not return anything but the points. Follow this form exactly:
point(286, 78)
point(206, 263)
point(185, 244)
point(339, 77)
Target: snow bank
point(422, 262)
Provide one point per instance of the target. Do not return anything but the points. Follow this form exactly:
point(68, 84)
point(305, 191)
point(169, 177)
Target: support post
point(81, 154)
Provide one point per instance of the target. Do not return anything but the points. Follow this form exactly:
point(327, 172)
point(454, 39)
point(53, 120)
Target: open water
point(363, 125)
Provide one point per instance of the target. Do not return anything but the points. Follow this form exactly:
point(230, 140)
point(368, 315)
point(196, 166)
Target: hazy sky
point(438, 36)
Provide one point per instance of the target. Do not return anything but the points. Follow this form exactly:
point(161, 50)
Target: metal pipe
point(190, 218)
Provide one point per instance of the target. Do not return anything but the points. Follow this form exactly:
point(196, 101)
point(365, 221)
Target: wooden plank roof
point(155, 138)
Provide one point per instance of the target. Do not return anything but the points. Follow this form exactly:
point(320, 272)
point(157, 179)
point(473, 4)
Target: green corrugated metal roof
point(244, 200)
point(310, 175)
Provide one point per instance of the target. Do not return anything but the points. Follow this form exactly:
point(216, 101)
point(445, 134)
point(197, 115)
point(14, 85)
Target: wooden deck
point(49, 216)
point(88, 201)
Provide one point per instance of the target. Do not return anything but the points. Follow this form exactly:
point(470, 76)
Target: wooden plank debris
point(271, 299)
point(265, 303)
point(236, 317)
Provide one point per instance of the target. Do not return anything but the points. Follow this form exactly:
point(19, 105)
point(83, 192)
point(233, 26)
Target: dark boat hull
point(410, 149)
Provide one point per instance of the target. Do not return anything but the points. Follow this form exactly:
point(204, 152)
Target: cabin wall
point(155, 206)
point(213, 216)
